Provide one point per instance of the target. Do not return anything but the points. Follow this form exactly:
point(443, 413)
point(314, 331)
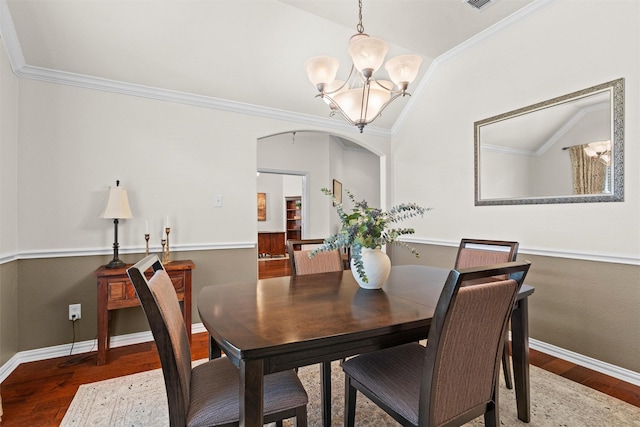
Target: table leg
point(214, 349)
point(520, 354)
point(325, 393)
point(251, 393)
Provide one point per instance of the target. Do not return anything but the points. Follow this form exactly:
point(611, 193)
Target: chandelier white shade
point(403, 69)
point(367, 53)
point(361, 98)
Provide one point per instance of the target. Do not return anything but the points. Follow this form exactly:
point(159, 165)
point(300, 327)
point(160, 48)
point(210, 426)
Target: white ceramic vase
point(377, 267)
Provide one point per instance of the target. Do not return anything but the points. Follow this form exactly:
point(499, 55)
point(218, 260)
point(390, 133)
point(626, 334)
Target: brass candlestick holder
point(146, 238)
point(164, 243)
point(166, 256)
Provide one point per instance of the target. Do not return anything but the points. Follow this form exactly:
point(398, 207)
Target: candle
point(146, 229)
point(166, 223)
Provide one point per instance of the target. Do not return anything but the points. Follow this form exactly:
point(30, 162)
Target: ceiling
point(247, 52)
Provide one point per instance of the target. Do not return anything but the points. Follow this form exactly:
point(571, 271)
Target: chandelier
point(361, 98)
point(600, 150)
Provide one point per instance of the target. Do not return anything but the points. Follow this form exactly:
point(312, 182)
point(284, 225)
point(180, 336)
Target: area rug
point(140, 400)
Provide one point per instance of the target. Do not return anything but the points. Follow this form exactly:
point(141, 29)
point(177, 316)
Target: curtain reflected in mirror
point(567, 149)
point(590, 167)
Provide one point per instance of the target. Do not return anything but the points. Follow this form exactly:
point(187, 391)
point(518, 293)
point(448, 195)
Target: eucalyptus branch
point(367, 227)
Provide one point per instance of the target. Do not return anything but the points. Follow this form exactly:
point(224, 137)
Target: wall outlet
point(75, 312)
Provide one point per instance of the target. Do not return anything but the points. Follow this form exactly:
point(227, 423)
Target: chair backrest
point(160, 303)
point(322, 262)
point(476, 253)
point(465, 342)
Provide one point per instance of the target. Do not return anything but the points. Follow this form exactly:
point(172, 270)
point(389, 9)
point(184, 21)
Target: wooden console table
point(115, 291)
point(271, 243)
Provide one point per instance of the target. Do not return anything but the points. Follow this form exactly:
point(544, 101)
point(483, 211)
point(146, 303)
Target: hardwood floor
point(39, 393)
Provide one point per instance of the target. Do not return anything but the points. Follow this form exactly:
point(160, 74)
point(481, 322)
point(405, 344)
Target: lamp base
point(116, 263)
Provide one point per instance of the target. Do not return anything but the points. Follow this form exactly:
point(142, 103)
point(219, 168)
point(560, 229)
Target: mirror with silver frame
point(565, 150)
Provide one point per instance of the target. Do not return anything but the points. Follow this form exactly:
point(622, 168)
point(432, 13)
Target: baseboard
point(605, 368)
point(140, 337)
point(78, 348)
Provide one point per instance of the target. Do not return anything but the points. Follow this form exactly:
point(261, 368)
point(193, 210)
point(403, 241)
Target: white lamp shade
point(351, 102)
point(368, 53)
point(403, 68)
point(118, 204)
point(321, 69)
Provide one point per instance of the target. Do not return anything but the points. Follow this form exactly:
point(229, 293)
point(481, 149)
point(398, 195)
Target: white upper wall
point(272, 185)
point(565, 47)
point(8, 158)
point(74, 143)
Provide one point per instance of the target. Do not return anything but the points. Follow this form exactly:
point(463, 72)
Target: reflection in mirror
point(565, 150)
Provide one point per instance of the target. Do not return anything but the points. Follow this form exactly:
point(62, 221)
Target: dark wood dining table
point(271, 325)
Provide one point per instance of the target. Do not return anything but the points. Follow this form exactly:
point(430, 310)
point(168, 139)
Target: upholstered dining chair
point(476, 253)
point(322, 262)
point(207, 394)
point(454, 378)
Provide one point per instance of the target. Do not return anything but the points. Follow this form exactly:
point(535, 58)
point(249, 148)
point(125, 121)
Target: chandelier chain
point(360, 27)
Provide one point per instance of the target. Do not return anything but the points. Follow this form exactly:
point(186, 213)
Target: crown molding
point(525, 12)
point(10, 38)
point(21, 69)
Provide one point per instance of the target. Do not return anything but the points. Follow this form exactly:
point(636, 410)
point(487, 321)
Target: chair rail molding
point(80, 252)
point(554, 253)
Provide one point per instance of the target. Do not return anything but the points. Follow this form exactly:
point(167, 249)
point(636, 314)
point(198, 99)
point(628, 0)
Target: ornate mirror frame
point(615, 91)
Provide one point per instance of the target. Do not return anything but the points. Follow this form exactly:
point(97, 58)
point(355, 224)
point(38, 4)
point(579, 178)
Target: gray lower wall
point(8, 310)
point(590, 308)
point(587, 307)
point(48, 286)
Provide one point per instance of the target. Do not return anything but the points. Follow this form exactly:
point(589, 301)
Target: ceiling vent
point(479, 4)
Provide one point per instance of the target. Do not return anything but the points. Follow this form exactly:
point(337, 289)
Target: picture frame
point(337, 191)
point(262, 206)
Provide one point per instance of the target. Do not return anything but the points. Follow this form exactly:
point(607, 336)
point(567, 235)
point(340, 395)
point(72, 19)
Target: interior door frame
point(304, 195)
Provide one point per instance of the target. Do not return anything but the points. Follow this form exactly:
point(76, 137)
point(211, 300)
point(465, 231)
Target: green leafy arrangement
point(368, 227)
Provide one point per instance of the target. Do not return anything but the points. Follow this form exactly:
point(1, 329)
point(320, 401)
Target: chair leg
point(492, 413)
point(506, 366)
point(325, 395)
point(349, 402)
point(492, 416)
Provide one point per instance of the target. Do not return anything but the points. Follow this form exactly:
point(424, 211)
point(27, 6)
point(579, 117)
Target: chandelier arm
point(343, 84)
point(364, 103)
point(383, 86)
point(360, 125)
point(383, 107)
point(338, 108)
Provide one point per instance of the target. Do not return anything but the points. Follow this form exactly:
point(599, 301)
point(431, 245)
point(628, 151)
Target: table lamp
point(117, 208)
